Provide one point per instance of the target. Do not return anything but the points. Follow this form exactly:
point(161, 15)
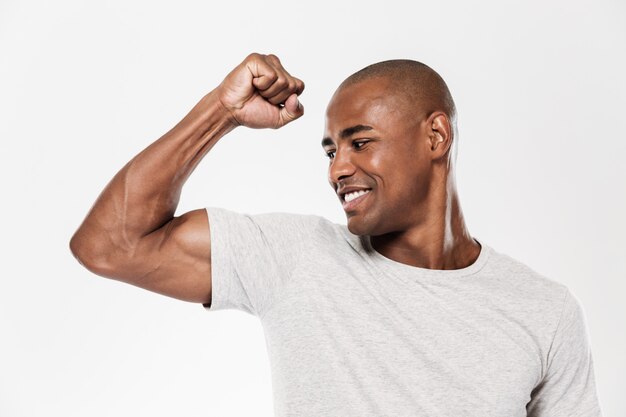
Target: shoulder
point(525, 282)
point(227, 215)
point(524, 273)
point(288, 226)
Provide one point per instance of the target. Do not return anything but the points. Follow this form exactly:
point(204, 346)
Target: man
point(399, 313)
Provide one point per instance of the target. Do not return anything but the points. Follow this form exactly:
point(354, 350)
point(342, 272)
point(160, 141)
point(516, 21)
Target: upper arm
point(174, 260)
point(253, 257)
point(568, 387)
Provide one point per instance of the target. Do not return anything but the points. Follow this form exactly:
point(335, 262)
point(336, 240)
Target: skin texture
point(412, 212)
point(131, 234)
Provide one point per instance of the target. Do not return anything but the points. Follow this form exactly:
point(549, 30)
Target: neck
point(441, 240)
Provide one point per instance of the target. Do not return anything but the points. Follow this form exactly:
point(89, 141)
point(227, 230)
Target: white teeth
point(351, 196)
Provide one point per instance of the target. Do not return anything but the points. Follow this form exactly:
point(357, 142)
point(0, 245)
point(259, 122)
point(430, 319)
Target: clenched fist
point(260, 93)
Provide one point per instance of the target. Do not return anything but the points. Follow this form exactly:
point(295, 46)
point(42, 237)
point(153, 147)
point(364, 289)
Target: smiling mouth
point(351, 200)
point(348, 197)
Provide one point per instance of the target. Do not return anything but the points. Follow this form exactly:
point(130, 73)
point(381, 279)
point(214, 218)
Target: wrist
point(214, 109)
point(208, 119)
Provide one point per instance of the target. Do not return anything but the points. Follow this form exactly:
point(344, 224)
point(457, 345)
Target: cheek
point(406, 183)
point(382, 165)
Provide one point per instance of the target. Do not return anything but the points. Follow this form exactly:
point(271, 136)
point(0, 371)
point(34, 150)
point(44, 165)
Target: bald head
point(423, 88)
point(420, 87)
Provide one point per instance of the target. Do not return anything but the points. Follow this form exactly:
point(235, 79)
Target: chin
point(355, 229)
point(371, 225)
point(359, 227)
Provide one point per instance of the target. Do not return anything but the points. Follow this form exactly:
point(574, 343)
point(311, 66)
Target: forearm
point(144, 194)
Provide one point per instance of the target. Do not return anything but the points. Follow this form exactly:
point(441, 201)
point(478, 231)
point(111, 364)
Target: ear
point(439, 133)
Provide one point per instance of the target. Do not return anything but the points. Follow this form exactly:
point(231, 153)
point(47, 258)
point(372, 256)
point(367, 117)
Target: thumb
point(292, 110)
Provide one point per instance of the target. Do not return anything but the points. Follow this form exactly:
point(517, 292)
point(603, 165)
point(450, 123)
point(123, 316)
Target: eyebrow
point(346, 133)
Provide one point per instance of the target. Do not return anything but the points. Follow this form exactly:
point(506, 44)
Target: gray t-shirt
point(350, 332)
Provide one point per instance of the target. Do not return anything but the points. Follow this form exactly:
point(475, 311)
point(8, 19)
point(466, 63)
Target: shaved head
point(420, 88)
point(419, 83)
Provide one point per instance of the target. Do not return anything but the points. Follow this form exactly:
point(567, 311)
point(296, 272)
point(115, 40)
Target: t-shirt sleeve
point(253, 256)
point(568, 387)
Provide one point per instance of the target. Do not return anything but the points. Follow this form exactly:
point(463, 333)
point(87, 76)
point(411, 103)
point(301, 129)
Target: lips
point(342, 191)
point(353, 195)
point(351, 205)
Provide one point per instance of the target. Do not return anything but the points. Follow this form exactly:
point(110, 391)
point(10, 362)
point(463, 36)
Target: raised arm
point(130, 233)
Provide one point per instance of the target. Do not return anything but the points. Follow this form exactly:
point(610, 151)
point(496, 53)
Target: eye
point(358, 144)
point(330, 154)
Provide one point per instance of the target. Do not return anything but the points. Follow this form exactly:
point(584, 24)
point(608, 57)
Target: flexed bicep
point(174, 260)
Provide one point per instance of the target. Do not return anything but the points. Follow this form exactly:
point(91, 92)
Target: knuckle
point(253, 55)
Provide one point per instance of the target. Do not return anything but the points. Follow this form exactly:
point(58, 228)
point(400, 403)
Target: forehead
point(370, 102)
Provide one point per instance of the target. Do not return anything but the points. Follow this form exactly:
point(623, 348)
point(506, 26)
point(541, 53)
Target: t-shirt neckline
point(395, 267)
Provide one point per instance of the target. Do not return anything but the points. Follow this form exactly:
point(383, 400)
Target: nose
point(340, 168)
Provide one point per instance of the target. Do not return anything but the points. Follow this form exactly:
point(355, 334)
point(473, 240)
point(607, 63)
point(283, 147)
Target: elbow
point(88, 254)
point(77, 250)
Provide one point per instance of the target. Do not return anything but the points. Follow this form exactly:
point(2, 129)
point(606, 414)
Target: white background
point(84, 86)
